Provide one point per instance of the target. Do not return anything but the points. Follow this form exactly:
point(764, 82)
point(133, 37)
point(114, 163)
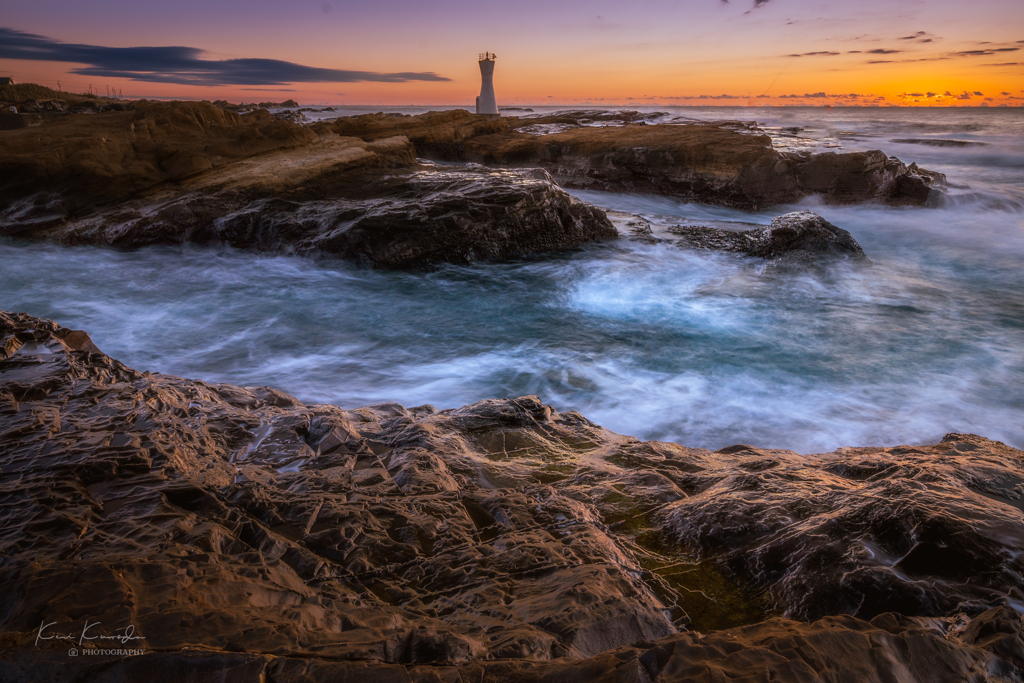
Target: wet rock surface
point(715, 164)
point(793, 240)
point(795, 231)
point(192, 172)
point(248, 536)
point(416, 219)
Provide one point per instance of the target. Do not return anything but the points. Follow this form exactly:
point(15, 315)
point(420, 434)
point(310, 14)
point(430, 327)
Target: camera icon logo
point(72, 652)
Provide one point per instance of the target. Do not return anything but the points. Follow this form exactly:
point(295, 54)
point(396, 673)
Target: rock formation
point(439, 135)
point(192, 172)
point(714, 164)
point(247, 536)
point(798, 238)
point(415, 219)
point(83, 162)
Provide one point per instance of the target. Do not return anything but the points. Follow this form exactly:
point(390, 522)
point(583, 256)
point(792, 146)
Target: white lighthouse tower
point(486, 104)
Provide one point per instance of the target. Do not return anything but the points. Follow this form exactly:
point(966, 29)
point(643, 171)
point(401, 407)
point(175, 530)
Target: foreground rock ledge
point(248, 536)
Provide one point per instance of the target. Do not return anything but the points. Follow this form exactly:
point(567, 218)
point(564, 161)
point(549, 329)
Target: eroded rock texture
point(84, 161)
point(192, 172)
point(436, 134)
point(714, 164)
point(793, 240)
point(413, 219)
point(247, 535)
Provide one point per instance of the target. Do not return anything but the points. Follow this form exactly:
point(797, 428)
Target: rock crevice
point(238, 529)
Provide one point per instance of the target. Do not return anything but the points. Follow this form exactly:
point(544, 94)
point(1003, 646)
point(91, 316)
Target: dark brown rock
point(799, 238)
point(192, 172)
point(436, 135)
point(715, 164)
point(89, 161)
point(499, 541)
point(394, 221)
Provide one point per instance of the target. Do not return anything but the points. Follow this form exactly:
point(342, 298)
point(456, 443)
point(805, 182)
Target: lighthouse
point(486, 104)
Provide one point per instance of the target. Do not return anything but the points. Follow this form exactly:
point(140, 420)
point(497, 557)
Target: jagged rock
point(715, 164)
point(291, 115)
point(409, 220)
point(261, 183)
point(798, 238)
point(88, 161)
point(243, 533)
point(436, 135)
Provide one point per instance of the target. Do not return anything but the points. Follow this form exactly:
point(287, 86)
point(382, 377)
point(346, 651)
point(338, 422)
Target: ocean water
point(644, 337)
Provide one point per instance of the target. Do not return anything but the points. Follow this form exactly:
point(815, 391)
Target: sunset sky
point(394, 52)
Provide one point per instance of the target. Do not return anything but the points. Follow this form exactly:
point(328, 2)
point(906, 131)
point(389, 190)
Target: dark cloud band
point(182, 65)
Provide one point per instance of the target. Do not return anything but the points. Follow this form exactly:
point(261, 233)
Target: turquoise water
point(647, 339)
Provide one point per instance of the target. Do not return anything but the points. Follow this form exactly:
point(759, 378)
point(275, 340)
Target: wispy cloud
point(919, 37)
point(815, 54)
point(986, 52)
point(182, 65)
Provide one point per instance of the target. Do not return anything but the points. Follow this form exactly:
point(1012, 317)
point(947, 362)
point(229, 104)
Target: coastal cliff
point(244, 534)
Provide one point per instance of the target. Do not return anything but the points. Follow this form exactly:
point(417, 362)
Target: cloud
point(881, 61)
point(182, 65)
point(880, 51)
point(919, 37)
point(979, 94)
point(815, 54)
point(1004, 93)
point(987, 52)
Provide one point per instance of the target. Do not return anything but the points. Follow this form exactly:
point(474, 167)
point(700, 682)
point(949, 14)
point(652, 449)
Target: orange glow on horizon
point(599, 52)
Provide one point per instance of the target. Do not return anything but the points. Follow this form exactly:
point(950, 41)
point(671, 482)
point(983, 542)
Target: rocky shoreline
point(362, 187)
point(236, 533)
point(240, 530)
point(712, 163)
